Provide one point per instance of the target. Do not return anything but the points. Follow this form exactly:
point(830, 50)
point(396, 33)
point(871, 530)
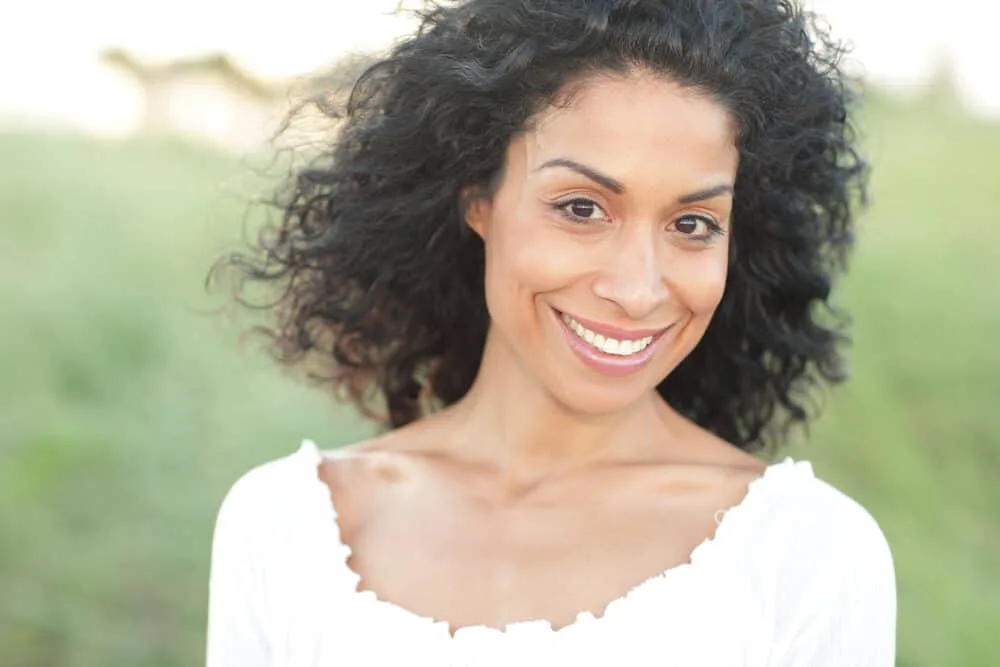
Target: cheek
point(701, 282)
point(526, 259)
point(515, 271)
point(525, 255)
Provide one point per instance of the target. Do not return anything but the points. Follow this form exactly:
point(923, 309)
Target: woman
point(575, 256)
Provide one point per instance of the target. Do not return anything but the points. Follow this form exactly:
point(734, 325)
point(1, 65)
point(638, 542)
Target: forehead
point(631, 124)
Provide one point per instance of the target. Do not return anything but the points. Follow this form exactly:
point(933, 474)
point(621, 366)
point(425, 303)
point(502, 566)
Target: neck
point(510, 423)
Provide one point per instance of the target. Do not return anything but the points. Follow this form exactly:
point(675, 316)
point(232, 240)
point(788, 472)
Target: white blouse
point(797, 574)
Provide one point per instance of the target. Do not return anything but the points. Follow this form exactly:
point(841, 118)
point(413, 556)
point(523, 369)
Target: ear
point(478, 209)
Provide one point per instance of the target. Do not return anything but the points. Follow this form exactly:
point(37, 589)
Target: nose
point(634, 278)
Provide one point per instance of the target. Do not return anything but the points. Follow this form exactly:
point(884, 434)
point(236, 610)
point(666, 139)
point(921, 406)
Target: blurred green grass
point(127, 411)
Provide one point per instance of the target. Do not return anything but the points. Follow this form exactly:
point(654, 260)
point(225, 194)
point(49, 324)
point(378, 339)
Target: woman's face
point(606, 241)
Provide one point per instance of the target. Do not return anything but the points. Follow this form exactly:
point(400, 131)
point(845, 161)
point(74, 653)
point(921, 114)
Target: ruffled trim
point(734, 519)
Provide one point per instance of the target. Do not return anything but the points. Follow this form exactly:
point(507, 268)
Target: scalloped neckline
point(315, 457)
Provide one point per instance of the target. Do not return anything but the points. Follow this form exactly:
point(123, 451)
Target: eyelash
point(715, 229)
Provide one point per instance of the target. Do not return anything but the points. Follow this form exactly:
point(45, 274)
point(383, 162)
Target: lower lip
point(610, 364)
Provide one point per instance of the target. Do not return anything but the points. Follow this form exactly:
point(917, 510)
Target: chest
point(483, 565)
point(706, 615)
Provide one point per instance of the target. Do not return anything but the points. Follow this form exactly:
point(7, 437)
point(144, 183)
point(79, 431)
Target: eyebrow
point(707, 193)
point(592, 174)
point(618, 188)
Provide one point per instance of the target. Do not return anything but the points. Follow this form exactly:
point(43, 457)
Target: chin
point(591, 399)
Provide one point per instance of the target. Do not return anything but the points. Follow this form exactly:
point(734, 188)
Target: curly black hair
point(378, 274)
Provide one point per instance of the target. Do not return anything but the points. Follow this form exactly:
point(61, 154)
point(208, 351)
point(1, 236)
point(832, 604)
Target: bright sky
point(49, 49)
point(271, 38)
point(50, 69)
point(899, 42)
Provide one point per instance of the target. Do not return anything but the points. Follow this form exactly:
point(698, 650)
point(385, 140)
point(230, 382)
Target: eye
point(698, 227)
point(581, 209)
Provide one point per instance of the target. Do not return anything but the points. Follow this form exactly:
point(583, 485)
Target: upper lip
point(617, 333)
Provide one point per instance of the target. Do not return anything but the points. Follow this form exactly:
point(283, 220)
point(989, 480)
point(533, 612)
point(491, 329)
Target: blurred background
point(132, 136)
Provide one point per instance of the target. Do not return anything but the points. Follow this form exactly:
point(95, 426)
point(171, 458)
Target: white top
point(798, 574)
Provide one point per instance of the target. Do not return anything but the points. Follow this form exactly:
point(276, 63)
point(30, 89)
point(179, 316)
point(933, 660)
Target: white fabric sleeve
point(836, 596)
point(236, 628)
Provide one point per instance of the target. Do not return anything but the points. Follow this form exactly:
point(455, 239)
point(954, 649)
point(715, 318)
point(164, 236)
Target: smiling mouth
point(614, 346)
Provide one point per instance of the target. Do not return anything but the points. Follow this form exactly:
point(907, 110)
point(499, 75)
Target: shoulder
point(366, 479)
point(818, 538)
point(833, 520)
point(270, 491)
point(311, 484)
point(830, 592)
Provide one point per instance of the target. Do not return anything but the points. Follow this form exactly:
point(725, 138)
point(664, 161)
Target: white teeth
point(622, 348)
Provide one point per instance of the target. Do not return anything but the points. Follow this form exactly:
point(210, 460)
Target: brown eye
point(698, 227)
point(582, 210)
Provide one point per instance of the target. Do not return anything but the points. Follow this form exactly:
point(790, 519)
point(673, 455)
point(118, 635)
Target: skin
point(551, 488)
